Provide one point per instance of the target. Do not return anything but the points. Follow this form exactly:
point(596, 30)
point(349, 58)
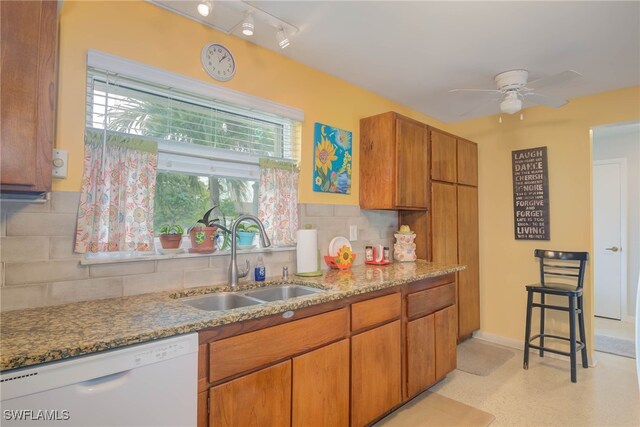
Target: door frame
point(622, 162)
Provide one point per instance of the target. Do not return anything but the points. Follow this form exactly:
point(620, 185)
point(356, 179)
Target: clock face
point(218, 62)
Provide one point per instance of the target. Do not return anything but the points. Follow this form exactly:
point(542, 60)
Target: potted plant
point(204, 233)
point(171, 236)
point(246, 233)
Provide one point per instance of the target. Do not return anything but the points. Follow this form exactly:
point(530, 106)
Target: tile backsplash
point(38, 266)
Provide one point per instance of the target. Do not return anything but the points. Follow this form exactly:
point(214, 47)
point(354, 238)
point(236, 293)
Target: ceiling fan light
point(205, 7)
point(248, 24)
point(511, 105)
point(281, 37)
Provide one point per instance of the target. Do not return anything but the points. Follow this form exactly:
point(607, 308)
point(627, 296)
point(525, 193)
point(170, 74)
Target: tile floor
point(606, 395)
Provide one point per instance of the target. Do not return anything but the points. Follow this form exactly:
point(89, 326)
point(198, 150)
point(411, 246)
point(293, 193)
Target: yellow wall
point(506, 264)
point(145, 33)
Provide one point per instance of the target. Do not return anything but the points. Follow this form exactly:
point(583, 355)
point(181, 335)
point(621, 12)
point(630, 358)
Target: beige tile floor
point(606, 395)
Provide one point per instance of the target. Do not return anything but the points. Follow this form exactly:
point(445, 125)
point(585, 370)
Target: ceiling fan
point(513, 89)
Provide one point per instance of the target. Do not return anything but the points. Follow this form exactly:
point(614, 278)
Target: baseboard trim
point(519, 345)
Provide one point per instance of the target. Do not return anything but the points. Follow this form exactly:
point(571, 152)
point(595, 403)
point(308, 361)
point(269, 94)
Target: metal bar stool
point(567, 272)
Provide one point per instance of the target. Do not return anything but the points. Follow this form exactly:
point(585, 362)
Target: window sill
point(119, 257)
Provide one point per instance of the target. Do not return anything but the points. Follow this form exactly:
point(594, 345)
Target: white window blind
point(201, 128)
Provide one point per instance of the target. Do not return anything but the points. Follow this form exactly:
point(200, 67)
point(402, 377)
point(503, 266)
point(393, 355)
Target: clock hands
point(221, 59)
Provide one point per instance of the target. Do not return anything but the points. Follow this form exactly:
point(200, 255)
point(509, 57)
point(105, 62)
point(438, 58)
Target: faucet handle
point(243, 273)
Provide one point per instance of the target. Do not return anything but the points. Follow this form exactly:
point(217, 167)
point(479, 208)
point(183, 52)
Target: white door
point(608, 200)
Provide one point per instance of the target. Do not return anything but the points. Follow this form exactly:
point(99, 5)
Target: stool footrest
point(579, 345)
point(554, 307)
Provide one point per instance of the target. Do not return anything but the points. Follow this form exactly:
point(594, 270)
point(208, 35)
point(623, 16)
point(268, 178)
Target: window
point(208, 148)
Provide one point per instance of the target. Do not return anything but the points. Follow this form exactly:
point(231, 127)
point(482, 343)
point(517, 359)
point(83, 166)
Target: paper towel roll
point(307, 251)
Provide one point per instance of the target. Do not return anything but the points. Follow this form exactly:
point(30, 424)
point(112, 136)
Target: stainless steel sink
point(220, 301)
point(276, 293)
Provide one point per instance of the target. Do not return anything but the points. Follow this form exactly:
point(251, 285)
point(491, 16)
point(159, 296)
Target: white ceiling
point(413, 52)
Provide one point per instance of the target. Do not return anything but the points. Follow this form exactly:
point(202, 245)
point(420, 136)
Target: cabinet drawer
point(375, 311)
point(426, 302)
point(241, 353)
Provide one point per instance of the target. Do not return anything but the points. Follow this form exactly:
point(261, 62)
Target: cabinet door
point(262, 398)
point(443, 157)
point(468, 253)
point(27, 88)
point(421, 354)
point(411, 165)
point(375, 373)
point(444, 218)
point(321, 387)
point(446, 322)
point(467, 163)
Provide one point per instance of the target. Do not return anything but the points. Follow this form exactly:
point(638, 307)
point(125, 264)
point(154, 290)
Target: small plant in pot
point(246, 233)
point(171, 236)
point(203, 234)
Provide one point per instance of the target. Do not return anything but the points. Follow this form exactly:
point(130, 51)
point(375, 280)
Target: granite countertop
point(46, 334)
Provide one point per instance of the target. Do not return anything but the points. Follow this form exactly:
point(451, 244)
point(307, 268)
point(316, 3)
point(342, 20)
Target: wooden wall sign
point(530, 194)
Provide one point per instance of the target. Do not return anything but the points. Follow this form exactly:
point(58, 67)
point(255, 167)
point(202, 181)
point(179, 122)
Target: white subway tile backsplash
point(205, 277)
point(61, 247)
point(19, 273)
point(181, 264)
point(83, 290)
point(316, 210)
point(65, 201)
point(153, 282)
point(24, 249)
point(121, 269)
point(41, 224)
point(24, 296)
point(346, 210)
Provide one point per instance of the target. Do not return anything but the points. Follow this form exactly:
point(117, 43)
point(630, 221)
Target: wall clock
point(218, 62)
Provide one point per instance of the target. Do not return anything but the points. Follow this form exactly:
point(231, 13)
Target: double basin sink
point(229, 300)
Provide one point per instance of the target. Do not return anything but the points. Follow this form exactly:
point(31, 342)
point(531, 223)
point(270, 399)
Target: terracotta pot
point(170, 241)
point(203, 240)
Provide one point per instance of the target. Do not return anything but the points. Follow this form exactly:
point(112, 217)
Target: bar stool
point(567, 272)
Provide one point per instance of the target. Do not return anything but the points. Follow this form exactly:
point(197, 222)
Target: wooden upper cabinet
point(443, 156)
point(467, 162)
point(394, 166)
point(411, 165)
point(27, 94)
point(444, 227)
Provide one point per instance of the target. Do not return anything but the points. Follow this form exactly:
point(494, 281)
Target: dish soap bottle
point(260, 271)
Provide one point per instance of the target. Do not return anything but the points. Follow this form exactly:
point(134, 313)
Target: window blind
point(132, 106)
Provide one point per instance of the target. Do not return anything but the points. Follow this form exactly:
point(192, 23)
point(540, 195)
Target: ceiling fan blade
point(548, 101)
point(474, 90)
point(556, 79)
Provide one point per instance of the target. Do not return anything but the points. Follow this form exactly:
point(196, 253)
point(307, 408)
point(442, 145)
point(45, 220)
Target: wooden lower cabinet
point(375, 373)
point(321, 387)
point(421, 354)
point(446, 330)
point(262, 398)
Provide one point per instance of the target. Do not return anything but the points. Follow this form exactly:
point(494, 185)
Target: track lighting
point(281, 37)
point(247, 24)
point(205, 7)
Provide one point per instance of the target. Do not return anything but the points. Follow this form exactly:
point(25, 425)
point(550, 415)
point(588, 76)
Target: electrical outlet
point(353, 233)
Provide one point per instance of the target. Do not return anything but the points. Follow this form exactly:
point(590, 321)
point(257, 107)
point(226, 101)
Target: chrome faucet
point(234, 274)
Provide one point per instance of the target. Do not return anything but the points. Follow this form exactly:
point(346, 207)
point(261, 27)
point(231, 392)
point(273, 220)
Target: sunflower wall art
point(332, 160)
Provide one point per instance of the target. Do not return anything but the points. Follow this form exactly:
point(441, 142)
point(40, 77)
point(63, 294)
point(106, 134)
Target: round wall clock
point(218, 62)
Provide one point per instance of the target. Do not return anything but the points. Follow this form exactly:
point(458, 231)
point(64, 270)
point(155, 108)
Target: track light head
point(248, 24)
point(205, 7)
point(281, 37)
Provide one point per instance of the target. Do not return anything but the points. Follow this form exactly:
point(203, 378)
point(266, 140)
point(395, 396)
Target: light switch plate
point(353, 233)
point(60, 159)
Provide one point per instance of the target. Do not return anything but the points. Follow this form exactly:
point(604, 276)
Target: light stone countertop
point(38, 335)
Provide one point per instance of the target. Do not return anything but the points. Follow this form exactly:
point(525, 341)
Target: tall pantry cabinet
point(454, 219)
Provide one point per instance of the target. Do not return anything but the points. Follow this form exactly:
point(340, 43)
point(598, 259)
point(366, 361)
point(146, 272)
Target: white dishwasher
point(150, 384)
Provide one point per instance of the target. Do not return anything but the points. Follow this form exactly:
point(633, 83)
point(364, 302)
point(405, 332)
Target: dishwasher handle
point(105, 383)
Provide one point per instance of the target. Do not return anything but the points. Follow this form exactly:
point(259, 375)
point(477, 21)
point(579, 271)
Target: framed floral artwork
point(332, 159)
